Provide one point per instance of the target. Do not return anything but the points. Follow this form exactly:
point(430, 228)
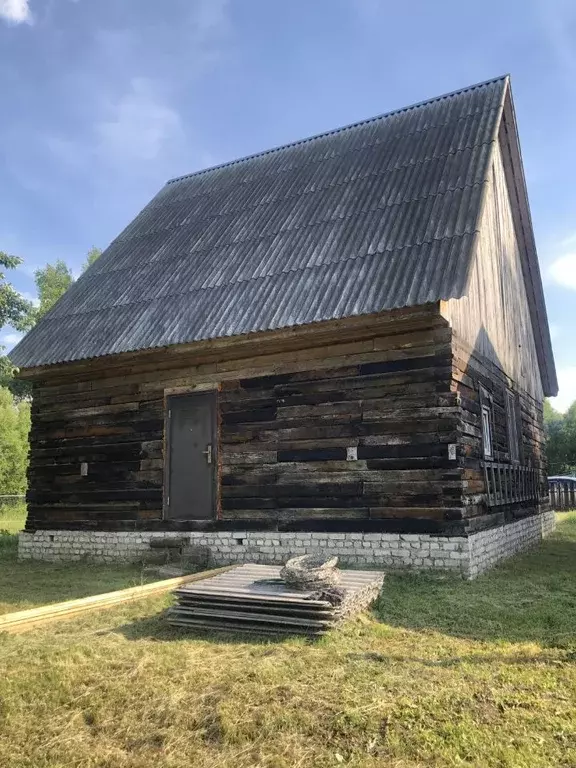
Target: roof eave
point(525, 234)
point(420, 313)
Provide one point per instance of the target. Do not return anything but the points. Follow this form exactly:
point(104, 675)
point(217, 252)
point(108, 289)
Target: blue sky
point(103, 100)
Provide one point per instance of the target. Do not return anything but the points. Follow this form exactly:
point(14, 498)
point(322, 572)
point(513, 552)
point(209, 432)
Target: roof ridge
point(342, 128)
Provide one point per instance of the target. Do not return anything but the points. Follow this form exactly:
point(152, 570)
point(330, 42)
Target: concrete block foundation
point(468, 556)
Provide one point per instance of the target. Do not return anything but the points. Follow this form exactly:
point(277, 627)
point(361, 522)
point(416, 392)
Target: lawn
point(28, 584)
point(443, 673)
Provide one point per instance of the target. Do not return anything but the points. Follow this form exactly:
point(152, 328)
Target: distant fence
point(11, 500)
point(562, 493)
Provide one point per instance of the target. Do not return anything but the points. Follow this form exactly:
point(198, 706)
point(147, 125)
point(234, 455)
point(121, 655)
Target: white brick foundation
point(468, 555)
point(488, 547)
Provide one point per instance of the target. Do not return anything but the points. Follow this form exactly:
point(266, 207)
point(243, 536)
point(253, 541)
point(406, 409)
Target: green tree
point(550, 413)
point(51, 281)
point(569, 439)
point(14, 309)
point(93, 254)
point(561, 439)
point(14, 427)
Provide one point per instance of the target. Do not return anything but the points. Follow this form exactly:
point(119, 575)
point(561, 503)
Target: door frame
point(185, 392)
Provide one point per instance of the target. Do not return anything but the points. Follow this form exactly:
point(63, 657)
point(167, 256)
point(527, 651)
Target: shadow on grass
point(8, 544)
point(28, 583)
point(12, 520)
point(568, 657)
point(157, 628)
point(529, 598)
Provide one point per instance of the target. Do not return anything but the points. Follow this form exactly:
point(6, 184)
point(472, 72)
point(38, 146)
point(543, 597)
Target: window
point(486, 406)
point(487, 431)
point(512, 427)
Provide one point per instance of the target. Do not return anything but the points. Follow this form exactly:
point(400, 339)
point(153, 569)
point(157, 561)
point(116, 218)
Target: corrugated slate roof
point(370, 217)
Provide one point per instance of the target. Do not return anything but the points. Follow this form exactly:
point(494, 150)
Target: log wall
point(471, 373)
point(288, 417)
point(370, 424)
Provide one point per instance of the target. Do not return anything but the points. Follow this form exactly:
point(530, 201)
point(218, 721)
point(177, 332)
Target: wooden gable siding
point(494, 349)
point(494, 316)
point(288, 413)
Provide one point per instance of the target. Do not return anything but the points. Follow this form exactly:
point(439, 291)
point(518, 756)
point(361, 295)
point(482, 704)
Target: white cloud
point(133, 133)
point(15, 11)
point(120, 131)
point(563, 271)
point(136, 126)
point(31, 297)
point(9, 339)
point(67, 151)
point(137, 135)
point(567, 388)
point(29, 268)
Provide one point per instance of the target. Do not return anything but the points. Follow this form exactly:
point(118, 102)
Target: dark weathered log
point(343, 423)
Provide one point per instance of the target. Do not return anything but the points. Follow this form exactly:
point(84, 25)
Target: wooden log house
point(345, 335)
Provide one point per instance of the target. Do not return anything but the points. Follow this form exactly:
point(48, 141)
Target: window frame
point(487, 424)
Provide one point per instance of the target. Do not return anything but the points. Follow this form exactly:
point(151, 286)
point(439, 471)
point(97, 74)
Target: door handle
point(208, 454)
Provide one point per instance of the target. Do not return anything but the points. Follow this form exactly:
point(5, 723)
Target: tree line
point(51, 282)
point(561, 440)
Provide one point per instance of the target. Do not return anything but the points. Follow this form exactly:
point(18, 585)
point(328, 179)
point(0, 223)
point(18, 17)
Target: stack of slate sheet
point(253, 598)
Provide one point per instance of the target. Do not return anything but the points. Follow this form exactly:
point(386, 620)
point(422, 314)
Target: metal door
point(191, 456)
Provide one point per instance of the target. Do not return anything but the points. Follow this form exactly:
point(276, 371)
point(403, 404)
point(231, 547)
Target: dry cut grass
point(443, 673)
point(30, 584)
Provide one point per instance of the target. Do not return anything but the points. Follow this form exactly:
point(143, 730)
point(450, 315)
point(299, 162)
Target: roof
point(377, 215)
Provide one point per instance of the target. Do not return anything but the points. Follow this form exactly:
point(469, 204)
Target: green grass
point(529, 598)
point(443, 673)
point(12, 519)
point(29, 584)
